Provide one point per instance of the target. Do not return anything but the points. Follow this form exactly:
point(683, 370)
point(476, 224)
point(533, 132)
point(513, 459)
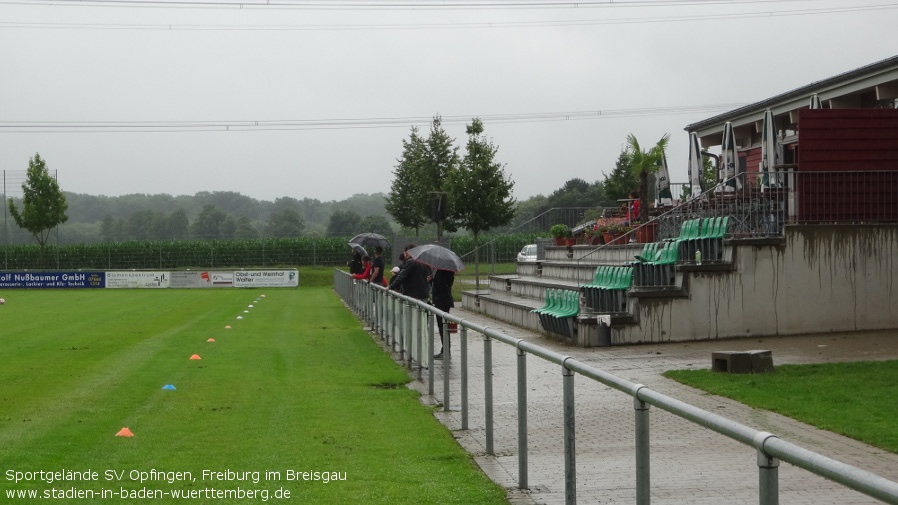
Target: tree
point(284, 223)
point(376, 224)
point(645, 163)
point(112, 229)
point(622, 180)
point(209, 225)
point(176, 225)
point(440, 160)
point(344, 222)
point(406, 201)
point(422, 171)
point(577, 193)
point(245, 229)
point(43, 204)
point(480, 189)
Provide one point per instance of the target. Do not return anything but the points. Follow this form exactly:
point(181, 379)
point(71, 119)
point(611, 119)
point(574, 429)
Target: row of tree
point(478, 197)
point(432, 183)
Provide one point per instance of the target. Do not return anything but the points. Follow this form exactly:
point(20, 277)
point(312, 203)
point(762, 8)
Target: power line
point(397, 5)
point(449, 25)
point(337, 124)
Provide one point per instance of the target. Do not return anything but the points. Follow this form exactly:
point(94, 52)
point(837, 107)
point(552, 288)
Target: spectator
point(442, 299)
point(412, 278)
point(365, 274)
point(377, 267)
point(633, 213)
point(355, 263)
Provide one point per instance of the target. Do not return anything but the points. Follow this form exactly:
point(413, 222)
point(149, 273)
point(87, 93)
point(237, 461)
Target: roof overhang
point(863, 87)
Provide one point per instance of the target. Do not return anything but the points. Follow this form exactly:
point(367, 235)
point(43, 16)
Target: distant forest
point(230, 215)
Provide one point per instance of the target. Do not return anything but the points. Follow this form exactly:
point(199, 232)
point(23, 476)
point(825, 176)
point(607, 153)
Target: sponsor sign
point(266, 278)
point(190, 279)
point(221, 279)
point(52, 279)
point(133, 279)
point(201, 279)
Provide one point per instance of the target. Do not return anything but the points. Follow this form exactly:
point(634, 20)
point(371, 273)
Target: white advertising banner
point(201, 279)
point(266, 278)
point(133, 279)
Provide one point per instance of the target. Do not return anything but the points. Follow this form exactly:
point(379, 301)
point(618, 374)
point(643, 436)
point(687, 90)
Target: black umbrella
point(437, 257)
point(370, 240)
point(361, 250)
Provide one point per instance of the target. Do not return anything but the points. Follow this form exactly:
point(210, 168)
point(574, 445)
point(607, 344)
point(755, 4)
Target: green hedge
point(267, 253)
point(173, 255)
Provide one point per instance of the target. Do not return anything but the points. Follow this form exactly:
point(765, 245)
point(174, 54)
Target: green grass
point(296, 385)
point(853, 399)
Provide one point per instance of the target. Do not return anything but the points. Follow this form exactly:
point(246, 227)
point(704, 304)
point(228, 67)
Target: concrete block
point(754, 361)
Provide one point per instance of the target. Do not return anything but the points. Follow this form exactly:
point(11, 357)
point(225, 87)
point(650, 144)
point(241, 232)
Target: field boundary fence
point(406, 326)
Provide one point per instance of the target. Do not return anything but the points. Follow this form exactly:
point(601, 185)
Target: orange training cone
point(124, 432)
point(211, 340)
point(196, 356)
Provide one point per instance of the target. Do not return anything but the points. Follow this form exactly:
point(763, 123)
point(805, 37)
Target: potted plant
point(594, 236)
point(645, 233)
point(560, 232)
point(615, 232)
point(605, 231)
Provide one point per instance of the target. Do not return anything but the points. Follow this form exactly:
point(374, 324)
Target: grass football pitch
point(293, 404)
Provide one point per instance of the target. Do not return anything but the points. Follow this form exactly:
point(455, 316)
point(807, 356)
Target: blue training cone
point(168, 387)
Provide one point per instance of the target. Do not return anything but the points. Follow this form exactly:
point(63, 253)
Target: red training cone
point(124, 432)
point(196, 356)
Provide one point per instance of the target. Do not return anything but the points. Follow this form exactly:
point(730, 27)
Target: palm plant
point(645, 163)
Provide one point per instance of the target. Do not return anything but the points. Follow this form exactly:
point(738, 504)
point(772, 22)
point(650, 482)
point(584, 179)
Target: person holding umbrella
point(365, 273)
point(412, 278)
point(442, 299)
point(355, 262)
point(445, 263)
point(377, 267)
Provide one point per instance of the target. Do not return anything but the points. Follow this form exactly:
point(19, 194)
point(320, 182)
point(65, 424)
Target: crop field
point(293, 403)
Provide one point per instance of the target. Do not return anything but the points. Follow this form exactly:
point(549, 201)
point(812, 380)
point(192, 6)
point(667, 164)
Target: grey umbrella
point(695, 166)
point(729, 159)
point(662, 182)
point(370, 240)
point(437, 257)
point(769, 157)
point(815, 102)
point(361, 250)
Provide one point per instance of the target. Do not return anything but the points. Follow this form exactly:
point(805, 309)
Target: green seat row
point(556, 316)
point(606, 292)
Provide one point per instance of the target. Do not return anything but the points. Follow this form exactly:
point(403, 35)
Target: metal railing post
point(415, 327)
point(488, 391)
point(463, 334)
point(768, 472)
point(430, 360)
point(522, 419)
point(643, 449)
point(570, 452)
point(445, 334)
point(397, 339)
point(420, 351)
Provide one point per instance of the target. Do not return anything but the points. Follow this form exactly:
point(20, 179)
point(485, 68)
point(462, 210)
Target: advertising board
point(52, 279)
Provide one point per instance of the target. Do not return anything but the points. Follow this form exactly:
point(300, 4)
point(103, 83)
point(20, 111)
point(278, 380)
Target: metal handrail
point(371, 302)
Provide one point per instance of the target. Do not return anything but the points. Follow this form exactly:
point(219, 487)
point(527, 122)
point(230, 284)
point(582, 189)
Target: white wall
point(825, 278)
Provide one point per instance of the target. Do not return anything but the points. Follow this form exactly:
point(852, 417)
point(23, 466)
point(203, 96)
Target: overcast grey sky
point(349, 79)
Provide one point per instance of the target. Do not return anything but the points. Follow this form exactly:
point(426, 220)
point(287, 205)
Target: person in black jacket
point(355, 263)
point(411, 279)
point(442, 299)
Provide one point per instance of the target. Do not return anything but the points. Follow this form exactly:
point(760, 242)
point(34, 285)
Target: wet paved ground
point(689, 464)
